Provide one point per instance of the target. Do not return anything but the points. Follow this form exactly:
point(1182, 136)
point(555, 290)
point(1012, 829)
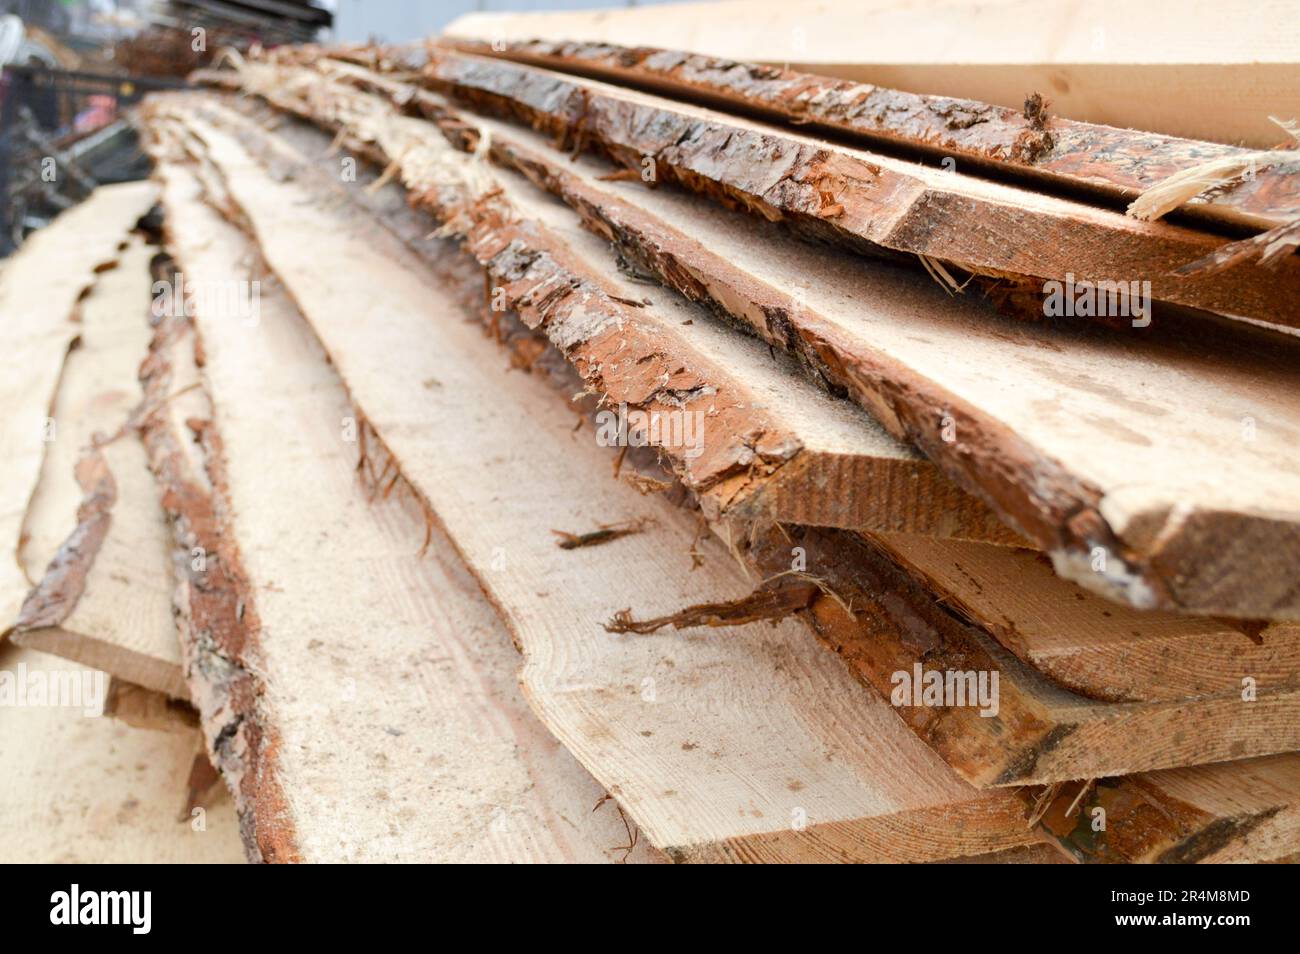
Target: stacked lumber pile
point(545, 450)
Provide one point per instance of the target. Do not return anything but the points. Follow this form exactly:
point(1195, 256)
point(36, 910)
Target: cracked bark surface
point(865, 200)
point(358, 692)
point(1113, 164)
point(1239, 812)
point(1083, 643)
point(1043, 734)
point(215, 612)
point(873, 801)
point(772, 446)
point(1207, 831)
point(1090, 454)
point(1177, 66)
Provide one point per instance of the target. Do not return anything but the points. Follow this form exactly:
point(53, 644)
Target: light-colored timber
point(681, 732)
point(366, 688)
point(84, 788)
point(1083, 442)
point(96, 537)
point(39, 290)
point(1200, 69)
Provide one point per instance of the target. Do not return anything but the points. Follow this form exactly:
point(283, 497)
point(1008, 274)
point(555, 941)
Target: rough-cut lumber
point(1201, 69)
point(1246, 811)
point(39, 289)
point(869, 200)
point(756, 748)
point(1158, 471)
point(1041, 734)
point(1059, 154)
point(82, 789)
point(1092, 646)
point(767, 445)
point(1240, 830)
point(389, 724)
point(96, 538)
point(883, 623)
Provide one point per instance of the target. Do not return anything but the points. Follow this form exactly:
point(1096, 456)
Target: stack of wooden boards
point(575, 452)
point(86, 587)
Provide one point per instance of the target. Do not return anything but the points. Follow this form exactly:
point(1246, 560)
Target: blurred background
point(72, 67)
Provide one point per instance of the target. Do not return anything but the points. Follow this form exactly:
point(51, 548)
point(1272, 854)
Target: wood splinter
point(770, 603)
point(594, 538)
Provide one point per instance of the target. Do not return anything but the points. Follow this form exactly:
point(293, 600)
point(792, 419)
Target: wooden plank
point(1200, 69)
point(1090, 645)
point(96, 537)
point(769, 445)
point(1147, 821)
point(362, 701)
point(1156, 470)
point(1061, 155)
point(1040, 734)
point(1234, 812)
point(894, 634)
point(82, 789)
point(868, 200)
point(760, 748)
point(39, 289)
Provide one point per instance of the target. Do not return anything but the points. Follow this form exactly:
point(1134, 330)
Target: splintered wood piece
point(97, 539)
point(733, 418)
point(1157, 471)
point(1235, 812)
point(1052, 152)
point(372, 713)
point(81, 788)
point(865, 200)
point(39, 290)
point(1093, 646)
point(1195, 69)
point(761, 748)
point(996, 720)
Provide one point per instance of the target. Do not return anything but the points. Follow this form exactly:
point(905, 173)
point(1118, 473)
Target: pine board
point(39, 290)
point(97, 540)
point(389, 726)
point(744, 737)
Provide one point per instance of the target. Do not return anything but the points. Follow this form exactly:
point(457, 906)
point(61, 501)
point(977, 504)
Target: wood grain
point(79, 789)
point(757, 749)
point(1063, 156)
point(1201, 69)
point(1090, 645)
point(1237, 812)
point(770, 445)
point(1153, 468)
point(97, 540)
point(392, 724)
point(39, 290)
point(868, 200)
